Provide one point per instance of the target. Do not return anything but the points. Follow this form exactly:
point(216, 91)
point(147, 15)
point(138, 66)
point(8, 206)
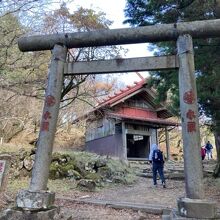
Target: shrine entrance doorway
point(138, 146)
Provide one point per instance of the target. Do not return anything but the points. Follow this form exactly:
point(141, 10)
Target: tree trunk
point(217, 144)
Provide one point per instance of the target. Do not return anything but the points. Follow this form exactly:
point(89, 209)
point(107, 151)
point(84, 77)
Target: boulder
point(96, 177)
point(74, 174)
point(101, 162)
point(86, 185)
point(28, 163)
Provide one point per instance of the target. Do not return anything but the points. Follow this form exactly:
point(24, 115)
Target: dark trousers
point(158, 167)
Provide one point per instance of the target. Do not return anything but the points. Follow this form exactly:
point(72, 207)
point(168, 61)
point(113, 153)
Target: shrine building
point(125, 124)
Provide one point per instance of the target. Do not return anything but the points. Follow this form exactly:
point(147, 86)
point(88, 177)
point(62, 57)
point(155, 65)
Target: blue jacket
point(153, 147)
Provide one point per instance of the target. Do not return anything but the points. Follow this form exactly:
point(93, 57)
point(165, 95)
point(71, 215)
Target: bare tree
point(23, 75)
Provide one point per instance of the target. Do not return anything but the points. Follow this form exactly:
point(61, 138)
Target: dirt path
point(144, 192)
point(141, 192)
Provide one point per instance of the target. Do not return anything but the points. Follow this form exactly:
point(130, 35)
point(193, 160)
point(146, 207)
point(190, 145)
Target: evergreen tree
point(207, 54)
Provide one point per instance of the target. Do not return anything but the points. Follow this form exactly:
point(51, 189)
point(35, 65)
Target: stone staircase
point(172, 169)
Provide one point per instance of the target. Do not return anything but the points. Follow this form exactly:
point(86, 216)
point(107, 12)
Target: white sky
point(114, 12)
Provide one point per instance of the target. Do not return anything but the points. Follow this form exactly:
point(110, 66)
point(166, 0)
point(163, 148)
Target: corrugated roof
point(122, 93)
point(139, 88)
point(151, 120)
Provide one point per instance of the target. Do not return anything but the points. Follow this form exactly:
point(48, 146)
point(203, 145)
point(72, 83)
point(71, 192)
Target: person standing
point(157, 160)
point(208, 148)
point(203, 152)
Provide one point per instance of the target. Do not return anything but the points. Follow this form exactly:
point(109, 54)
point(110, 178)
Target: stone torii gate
point(193, 205)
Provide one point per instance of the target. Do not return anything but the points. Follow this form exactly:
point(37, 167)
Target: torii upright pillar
point(194, 205)
point(38, 197)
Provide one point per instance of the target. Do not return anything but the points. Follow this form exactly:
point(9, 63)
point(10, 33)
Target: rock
point(101, 162)
point(63, 170)
point(33, 141)
point(28, 163)
point(16, 163)
point(119, 179)
point(74, 174)
point(22, 153)
point(89, 166)
point(20, 165)
point(77, 166)
point(80, 167)
point(35, 200)
point(12, 214)
point(60, 158)
point(33, 151)
point(94, 176)
point(24, 173)
point(32, 156)
point(55, 157)
point(105, 172)
point(86, 185)
point(54, 171)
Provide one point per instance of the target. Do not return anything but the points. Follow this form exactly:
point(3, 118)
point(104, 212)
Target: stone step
point(148, 208)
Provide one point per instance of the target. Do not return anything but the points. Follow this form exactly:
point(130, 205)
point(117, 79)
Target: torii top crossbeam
point(155, 33)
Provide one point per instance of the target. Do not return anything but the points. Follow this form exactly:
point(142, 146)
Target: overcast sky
point(114, 12)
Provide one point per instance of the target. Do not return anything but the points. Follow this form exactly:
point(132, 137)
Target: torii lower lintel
point(121, 65)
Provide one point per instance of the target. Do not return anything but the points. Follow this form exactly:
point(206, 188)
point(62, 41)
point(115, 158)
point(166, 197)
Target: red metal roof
point(129, 112)
point(122, 93)
point(151, 120)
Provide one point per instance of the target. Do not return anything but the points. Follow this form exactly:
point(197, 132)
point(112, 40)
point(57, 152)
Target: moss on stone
point(74, 174)
point(84, 165)
point(96, 177)
point(53, 172)
point(86, 185)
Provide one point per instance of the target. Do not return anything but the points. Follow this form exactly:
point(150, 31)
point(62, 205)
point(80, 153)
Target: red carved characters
point(191, 126)
point(45, 123)
point(50, 101)
point(189, 97)
point(47, 115)
point(45, 126)
point(190, 114)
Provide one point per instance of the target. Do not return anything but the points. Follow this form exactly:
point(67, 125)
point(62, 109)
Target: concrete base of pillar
point(12, 214)
point(174, 215)
point(196, 208)
point(35, 200)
